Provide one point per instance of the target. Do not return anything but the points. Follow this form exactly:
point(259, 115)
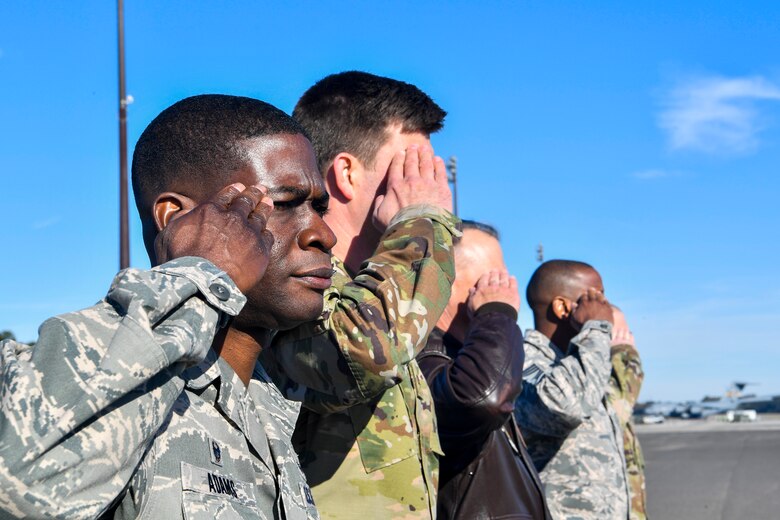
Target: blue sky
point(644, 139)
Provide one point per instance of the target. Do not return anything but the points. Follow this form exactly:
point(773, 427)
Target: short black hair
point(198, 143)
point(551, 279)
point(350, 112)
point(481, 226)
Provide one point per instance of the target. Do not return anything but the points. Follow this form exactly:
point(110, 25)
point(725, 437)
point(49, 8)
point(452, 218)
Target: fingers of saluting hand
point(427, 165)
point(439, 170)
point(252, 199)
point(412, 162)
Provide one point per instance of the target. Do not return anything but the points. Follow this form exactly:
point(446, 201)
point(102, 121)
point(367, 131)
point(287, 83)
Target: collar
point(542, 342)
point(206, 372)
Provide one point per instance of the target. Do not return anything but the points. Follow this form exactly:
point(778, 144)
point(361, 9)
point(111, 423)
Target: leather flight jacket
point(486, 471)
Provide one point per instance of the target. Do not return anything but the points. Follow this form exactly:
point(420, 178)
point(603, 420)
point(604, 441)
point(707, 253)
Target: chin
point(281, 313)
point(303, 312)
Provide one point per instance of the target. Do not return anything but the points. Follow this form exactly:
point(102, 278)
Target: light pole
point(124, 234)
point(452, 177)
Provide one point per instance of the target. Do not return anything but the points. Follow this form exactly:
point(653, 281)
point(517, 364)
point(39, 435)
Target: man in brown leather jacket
point(473, 363)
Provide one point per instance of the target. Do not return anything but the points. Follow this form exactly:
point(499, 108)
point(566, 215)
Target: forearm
point(382, 319)
point(558, 397)
point(81, 407)
point(475, 392)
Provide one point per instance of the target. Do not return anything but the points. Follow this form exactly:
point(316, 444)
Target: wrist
point(501, 307)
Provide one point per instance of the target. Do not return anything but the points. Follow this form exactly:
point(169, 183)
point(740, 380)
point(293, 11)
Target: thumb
point(375, 218)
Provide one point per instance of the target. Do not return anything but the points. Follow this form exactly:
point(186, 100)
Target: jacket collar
point(542, 343)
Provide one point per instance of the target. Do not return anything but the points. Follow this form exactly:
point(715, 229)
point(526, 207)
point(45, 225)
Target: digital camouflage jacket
point(573, 435)
point(123, 409)
point(367, 433)
point(624, 385)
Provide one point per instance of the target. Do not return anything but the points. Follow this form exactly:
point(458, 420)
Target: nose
point(317, 235)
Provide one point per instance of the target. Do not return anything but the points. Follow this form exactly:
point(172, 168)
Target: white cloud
point(716, 114)
point(652, 174)
point(43, 224)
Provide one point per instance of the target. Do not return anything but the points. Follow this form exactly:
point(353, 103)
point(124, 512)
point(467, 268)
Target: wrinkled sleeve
point(474, 392)
point(81, 406)
point(376, 322)
point(625, 382)
point(558, 396)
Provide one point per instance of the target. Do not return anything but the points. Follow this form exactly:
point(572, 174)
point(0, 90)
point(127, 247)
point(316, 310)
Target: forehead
point(478, 246)
point(282, 163)
point(398, 140)
point(586, 278)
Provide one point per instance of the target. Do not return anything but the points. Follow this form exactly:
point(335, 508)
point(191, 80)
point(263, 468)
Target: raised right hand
point(228, 230)
point(494, 286)
point(415, 176)
point(592, 305)
point(621, 334)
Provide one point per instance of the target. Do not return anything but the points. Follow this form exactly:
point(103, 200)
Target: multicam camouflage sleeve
point(624, 385)
point(625, 381)
point(80, 408)
point(379, 320)
point(558, 394)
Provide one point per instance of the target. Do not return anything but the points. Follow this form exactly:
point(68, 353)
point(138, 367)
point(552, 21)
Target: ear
point(561, 308)
point(345, 167)
point(168, 206)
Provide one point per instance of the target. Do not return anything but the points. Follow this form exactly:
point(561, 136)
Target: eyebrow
point(299, 193)
point(296, 191)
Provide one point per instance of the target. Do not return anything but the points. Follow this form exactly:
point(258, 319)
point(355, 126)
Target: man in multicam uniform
point(367, 433)
point(573, 435)
point(624, 385)
point(151, 403)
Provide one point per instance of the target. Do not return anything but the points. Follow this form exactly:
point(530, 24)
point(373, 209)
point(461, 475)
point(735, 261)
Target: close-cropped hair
point(481, 226)
point(551, 278)
point(196, 145)
point(351, 112)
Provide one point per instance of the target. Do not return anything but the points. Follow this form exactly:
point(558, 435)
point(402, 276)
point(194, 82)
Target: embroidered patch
point(208, 482)
point(306, 495)
point(215, 451)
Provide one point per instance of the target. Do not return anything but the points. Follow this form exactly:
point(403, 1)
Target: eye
point(321, 209)
point(285, 205)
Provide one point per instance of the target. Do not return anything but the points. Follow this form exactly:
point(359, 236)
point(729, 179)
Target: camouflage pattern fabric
point(122, 409)
point(624, 385)
point(367, 434)
point(573, 435)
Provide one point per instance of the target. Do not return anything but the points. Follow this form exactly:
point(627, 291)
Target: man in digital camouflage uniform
point(624, 385)
point(367, 434)
point(151, 403)
point(572, 433)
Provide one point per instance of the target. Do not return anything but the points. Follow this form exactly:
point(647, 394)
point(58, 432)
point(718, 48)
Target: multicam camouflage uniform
point(99, 417)
point(573, 435)
point(377, 458)
point(624, 385)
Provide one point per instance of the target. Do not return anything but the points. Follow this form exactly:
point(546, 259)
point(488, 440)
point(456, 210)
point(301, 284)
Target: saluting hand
point(592, 305)
point(415, 176)
point(494, 286)
point(229, 230)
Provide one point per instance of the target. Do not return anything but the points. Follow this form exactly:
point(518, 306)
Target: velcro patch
point(208, 482)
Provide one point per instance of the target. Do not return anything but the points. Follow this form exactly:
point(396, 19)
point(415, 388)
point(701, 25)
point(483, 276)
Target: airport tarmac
point(712, 470)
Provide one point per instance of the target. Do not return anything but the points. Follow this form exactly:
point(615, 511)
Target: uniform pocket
point(384, 431)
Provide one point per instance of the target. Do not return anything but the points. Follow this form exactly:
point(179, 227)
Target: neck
point(241, 349)
point(452, 326)
point(559, 334)
point(354, 245)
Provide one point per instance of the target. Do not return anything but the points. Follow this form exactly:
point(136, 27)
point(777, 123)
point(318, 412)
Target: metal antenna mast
point(540, 253)
point(124, 234)
point(452, 177)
